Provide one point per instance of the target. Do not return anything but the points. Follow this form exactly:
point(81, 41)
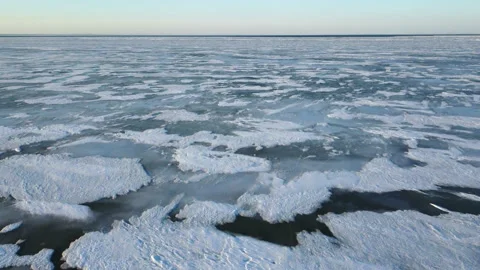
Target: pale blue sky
point(239, 16)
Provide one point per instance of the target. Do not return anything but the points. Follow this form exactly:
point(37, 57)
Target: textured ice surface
point(39, 261)
point(407, 239)
point(180, 115)
point(60, 178)
point(67, 211)
point(268, 125)
point(365, 240)
point(12, 138)
point(199, 158)
point(208, 213)
point(301, 195)
point(382, 175)
point(240, 139)
point(152, 241)
point(11, 227)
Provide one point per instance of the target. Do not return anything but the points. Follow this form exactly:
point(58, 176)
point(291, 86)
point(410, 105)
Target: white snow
point(199, 158)
point(60, 178)
point(68, 211)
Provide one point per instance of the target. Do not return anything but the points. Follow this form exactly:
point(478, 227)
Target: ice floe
point(382, 175)
point(60, 178)
point(208, 213)
point(152, 241)
point(39, 261)
point(301, 195)
point(407, 239)
point(67, 211)
point(199, 158)
point(180, 115)
point(11, 227)
point(267, 136)
point(364, 240)
point(11, 138)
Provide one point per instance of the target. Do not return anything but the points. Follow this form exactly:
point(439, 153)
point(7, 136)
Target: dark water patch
point(284, 233)
point(310, 149)
point(34, 148)
point(474, 191)
point(344, 201)
point(43, 147)
point(44, 233)
point(137, 125)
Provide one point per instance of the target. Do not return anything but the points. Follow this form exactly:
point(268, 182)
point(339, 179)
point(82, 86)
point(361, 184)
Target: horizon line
point(235, 35)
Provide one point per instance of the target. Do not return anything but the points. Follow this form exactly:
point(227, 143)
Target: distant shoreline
point(244, 36)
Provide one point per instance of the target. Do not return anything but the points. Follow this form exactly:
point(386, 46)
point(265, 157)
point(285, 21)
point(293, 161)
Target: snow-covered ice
point(67, 211)
point(11, 227)
point(60, 178)
point(199, 158)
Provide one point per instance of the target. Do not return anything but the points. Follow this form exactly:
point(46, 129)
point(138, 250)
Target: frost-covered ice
point(60, 178)
point(199, 158)
point(67, 211)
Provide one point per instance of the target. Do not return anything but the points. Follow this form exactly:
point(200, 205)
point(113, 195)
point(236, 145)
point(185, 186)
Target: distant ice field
point(231, 152)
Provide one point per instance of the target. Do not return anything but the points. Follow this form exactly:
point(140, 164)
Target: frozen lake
point(240, 152)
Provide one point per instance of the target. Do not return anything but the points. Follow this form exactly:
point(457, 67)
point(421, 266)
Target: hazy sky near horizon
point(239, 16)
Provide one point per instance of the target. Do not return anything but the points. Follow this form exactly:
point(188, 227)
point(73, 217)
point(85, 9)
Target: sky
point(247, 17)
